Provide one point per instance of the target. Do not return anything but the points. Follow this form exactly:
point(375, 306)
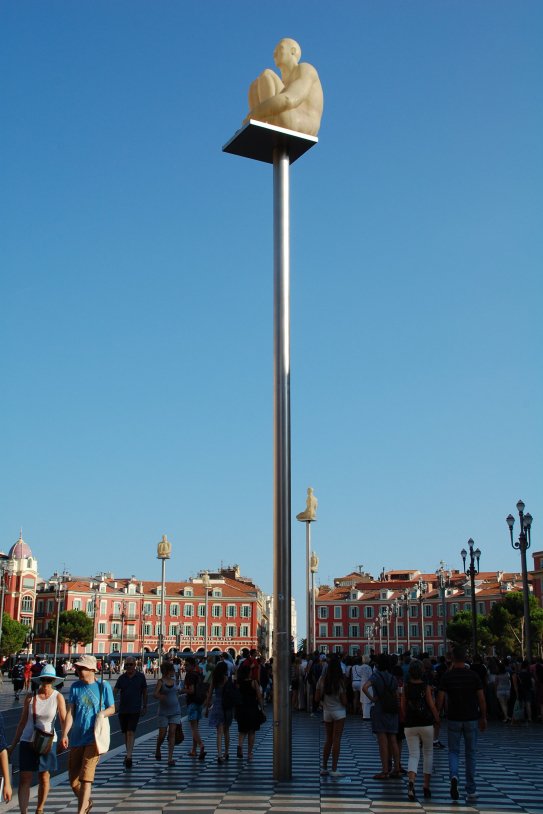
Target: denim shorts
point(194, 712)
point(29, 761)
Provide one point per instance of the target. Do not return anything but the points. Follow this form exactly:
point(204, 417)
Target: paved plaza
point(509, 776)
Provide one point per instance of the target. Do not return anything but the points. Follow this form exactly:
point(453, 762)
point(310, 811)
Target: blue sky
point(136, 285)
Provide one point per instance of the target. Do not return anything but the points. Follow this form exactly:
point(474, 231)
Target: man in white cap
point(87, 699)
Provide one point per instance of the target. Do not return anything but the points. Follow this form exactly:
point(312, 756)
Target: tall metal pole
point(309, 641)
point(523, 544)
point(282, 731)
point(162, 608)
point(3, 578)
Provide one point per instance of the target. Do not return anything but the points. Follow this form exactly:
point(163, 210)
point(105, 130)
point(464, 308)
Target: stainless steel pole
point(162, 609)
point(282, 730)
point(526, 602)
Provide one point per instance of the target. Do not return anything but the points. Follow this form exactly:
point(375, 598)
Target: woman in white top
point(40, 709)
point(366, 671)
point(331, 693)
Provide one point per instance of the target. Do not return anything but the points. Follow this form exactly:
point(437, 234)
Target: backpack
point(199, 691)
point(388, 698)
point(418, 711)
point(231, 696)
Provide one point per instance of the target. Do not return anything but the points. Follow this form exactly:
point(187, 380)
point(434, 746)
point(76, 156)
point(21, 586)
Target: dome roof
point(20, 551)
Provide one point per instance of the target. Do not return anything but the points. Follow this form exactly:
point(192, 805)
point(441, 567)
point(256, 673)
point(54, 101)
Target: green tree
point(459, 630)
point(74, 627)
point(506, 621)
point(13, 635)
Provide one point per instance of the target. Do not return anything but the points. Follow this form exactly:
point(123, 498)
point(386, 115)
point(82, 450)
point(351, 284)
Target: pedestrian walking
point(17, 676)
point(466, 716)
point(384, 716)
point(196, 692)
point(131, 686)
point(215, 709)
point(249, 711)
point(169, 711)
point(87, 700)
point(419, 715)
point(40, 711)
point(331, 692)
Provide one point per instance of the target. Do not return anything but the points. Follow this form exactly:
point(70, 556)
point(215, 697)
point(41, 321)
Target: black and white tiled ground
point(509, 776)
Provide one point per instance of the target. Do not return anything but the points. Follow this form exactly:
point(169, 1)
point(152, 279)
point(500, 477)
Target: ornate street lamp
point(523, 544)
point(206, 582)
point(405, 597)
point(387, 616)
point(314, 567)
point(443, 581)
point(164, 550)
point(471, 572)
point(60, 587)
point(422, 588)
point(395, 609)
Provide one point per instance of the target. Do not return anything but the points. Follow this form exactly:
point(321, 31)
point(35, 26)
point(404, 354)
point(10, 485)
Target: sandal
point(381, 776)
point(202, 755)
point(192, 753)
point(411, 791)
point(426, 792)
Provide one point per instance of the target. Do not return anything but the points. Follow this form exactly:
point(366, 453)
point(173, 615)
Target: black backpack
point(387, 698)
point(231, 696)
point(418, 711)
point(199, 690)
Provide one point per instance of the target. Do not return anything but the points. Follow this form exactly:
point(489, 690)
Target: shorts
point(128, 721)
point(29, 761)
point(82, 763)
point(165, 720)
point(333, 715)
point(194, 712)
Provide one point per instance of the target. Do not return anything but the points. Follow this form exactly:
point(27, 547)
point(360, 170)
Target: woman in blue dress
point(219, 718)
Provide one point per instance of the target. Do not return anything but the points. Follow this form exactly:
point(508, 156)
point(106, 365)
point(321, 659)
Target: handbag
point(102, 732)
point(41, 741)
point(261, 715)
point(179, 734)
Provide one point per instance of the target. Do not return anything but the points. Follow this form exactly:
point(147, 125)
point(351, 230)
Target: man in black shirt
point(466, 714)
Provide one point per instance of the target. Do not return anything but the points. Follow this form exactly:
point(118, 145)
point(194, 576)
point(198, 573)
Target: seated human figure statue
point(296, 100)
point(311, 504)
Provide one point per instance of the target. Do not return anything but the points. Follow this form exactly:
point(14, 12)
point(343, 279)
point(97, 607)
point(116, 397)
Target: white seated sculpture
point(311, 504)
point(296, 100)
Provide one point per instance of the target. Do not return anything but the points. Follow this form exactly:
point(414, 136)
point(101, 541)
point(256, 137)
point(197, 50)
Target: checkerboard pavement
point(509, 778)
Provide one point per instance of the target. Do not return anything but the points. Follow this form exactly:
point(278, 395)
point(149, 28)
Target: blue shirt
point(85, 699)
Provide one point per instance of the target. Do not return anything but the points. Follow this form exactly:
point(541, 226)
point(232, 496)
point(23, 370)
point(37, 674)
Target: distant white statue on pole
point(294, 101)
point(311, 504)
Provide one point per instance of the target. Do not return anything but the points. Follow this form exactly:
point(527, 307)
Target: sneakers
point(438, 745)
point(336, 774)
point(454, 789)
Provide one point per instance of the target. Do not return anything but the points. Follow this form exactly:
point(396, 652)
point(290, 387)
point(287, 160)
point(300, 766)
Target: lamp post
point(206, 582)
point(523, 544)
point(422, 588)
point(143, 619)
point(405, 597)
point(314, 566)
point(443, 580)
point(164, 550)
point(395, 609)
point(387, 615)
point(471, 572)
point(380, 623)
point(123, 616)
point(59, 590)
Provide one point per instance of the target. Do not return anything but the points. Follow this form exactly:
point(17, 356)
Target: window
point(216, 630)
point(440, 609)
point(40, 606)
point(76, 604)
point(441, 629)
point(399, 630)
point(428, 610)
point(131, 610)
point(188, 592)
point(338, 630)
point(428, 629)
point(173, 629)
point(201, 630)
point(103, 587)
point(338, 648)
point(174, 609)
point(467, 606)
point(323, 630)
point(354, 631)
point(353, 612)
point(50, 606)
point(148, 629)
point(246, 611)
point(189, 610)
point(383, 610)
point(157, 629)
point(454, 608)
point(400, 649)
point(117, 608)
point(147, 608)
point(323, 612)
point(26, 605)
point(102, 628)
point(367, 630)
point(103, 607)
point(187, 630)
point(323, 648)
point(244, 631)
point(201, 610)
point(414, 629)
point(29, 582)
point(115, 647)
point(115, 629)
point(368, 612)
point(337, 611)
point(90, 607)
point(216, 592)
point(131, 589)
point(230, 631)
point(216, 611)
point(413, 611)
point(101, 647)
point(231, 611)
point(481, 608)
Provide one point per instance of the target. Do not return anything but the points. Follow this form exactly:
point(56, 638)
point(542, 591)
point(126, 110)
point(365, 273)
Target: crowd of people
point(404, 698)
